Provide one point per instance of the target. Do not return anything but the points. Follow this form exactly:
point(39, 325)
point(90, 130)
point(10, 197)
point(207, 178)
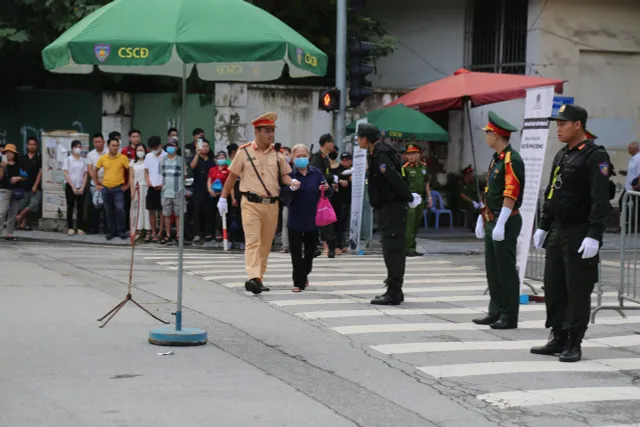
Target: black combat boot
point(555, 345)
point(391, 297)
point(573, 349)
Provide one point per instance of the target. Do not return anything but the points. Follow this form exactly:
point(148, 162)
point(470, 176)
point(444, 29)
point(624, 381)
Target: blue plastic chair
point(438, 209)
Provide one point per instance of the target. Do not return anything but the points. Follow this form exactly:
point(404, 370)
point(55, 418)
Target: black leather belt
point(254, 198)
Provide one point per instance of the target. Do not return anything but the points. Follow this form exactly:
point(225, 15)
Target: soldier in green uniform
point(574, 216)
point(500, 225)
point(416, 174)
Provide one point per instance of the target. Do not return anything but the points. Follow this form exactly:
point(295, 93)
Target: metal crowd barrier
point(627, 286)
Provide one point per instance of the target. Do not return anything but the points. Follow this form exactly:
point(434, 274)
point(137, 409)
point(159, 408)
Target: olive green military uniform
point(505, 178)
point(417, 177)
point(576, 207)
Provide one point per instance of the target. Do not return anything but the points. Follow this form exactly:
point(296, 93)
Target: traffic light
point(329, 100)
point(359, 68)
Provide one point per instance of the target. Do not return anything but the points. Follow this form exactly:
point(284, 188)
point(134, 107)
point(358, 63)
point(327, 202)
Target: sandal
point(10, 238)
point(296, 290)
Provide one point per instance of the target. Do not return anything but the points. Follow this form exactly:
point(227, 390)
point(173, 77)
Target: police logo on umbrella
point(102, 51)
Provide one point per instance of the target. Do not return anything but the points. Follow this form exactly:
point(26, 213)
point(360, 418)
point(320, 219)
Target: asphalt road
point(323, 357)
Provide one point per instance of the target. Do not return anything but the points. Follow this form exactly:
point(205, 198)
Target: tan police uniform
point(259, 207)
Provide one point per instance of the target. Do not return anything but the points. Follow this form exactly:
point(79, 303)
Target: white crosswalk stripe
point(432, 329)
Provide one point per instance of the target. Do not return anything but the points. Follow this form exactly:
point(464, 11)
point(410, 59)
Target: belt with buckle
point(254, 198)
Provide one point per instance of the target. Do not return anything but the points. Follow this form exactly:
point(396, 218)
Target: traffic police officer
point(389, 195)
point(500, 223)
point(416, 174)
point(574, 214)
point(262, 171)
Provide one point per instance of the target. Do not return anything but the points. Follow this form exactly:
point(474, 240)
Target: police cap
point(412, 148)
point(369, 131)
point(571, 113)
point(347, 156)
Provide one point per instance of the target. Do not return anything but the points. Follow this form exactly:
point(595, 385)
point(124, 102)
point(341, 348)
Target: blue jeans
point(113, 199)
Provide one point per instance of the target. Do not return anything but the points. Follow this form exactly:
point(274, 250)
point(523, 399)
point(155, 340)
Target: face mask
point(171, 150)
point(77, 150)
point(301, 162)
point(221, 162)
point(333, 155)
point(140, 154)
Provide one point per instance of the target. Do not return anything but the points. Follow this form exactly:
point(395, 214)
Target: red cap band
point(501, 132)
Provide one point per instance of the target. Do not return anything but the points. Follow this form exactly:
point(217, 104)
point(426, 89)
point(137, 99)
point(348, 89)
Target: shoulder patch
point(423, 163)
point(581, 146)
point(507, 158)
point(405, 165)
point(604, 168)
point(382, 168)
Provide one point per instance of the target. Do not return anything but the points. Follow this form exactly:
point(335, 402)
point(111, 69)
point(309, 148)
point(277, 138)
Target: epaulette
point(245, 145)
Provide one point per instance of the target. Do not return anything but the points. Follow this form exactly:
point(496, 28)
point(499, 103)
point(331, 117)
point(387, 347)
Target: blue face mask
point(221, 162)
point(301, 162)
point(171, 150)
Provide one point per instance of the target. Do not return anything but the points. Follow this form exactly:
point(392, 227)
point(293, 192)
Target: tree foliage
point(27, 26)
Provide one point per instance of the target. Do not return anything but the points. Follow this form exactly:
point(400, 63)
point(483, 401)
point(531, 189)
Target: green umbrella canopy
point(226, 40)
point(404, 122)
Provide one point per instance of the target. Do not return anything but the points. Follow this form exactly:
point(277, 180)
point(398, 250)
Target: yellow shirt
point(114, 168)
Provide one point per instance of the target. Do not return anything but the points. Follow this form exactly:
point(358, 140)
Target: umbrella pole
point(467, 112)
point(188, 336)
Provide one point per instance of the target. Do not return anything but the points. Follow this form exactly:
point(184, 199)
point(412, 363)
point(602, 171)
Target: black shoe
point(504, 324)
point(253, 286)
point(263, 288)
point(109, 236)
point(555, 345)
point(486, 320)
point(414, 253)
point(331, 254)
point(317, 253)
point(573, 351)
point(124, 236)
point(389, 298)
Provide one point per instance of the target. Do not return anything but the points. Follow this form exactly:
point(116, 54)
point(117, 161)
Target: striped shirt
point(170, 169)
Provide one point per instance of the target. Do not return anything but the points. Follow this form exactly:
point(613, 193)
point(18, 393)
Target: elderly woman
point(301, 223)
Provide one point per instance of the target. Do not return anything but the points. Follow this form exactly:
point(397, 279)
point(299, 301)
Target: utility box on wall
point(56, 146)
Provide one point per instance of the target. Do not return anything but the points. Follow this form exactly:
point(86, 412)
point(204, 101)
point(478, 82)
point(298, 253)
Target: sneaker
point(71, 232)
point(196, 239)
point(81, 233)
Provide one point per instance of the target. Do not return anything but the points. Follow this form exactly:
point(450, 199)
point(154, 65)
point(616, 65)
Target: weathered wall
point(299, 119)
point(26, 113)
point(430, 41)
point(595, 45)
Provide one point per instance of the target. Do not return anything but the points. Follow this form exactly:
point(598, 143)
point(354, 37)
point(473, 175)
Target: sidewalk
point(457, 241)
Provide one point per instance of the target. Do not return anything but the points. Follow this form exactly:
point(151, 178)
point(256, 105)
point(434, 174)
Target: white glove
point(480, 227)
point(295, 185)
point(538, 238)
point(348, 172)
point(335, 179)
point(223, 208)
point(589, 248)
point(476, 205)
point(498, 231)
point(416, 201)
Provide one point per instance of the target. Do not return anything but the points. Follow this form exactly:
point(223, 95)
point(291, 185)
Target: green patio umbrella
point(224, 40)
point(404, 122)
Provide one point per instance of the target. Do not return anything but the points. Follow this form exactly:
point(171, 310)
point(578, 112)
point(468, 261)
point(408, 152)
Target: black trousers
point(77, 202)
point(302, 261)
point(204, 214)
point(568, 279)
point(392, 222)
point(127, 206)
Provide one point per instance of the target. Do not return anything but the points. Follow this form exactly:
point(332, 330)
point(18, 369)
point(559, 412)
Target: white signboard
point(357, 192)
point(535, 132)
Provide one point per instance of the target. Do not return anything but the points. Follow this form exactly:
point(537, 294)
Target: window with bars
point(497, 36)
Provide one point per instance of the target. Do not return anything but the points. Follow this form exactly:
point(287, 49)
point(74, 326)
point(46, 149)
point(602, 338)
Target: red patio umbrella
point(478, 88)
point(466, 89)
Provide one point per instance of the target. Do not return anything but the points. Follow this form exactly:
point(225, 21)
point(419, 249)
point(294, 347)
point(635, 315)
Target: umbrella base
point(169, 336)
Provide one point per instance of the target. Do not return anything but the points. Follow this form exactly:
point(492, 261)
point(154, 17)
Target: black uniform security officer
point(573, 220)
point(500, 225)
point(389, 194)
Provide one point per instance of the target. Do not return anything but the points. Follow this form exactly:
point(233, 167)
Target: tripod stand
point(134, 228)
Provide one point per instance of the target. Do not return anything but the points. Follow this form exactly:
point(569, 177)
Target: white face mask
point(140, 154)
point(77, 150)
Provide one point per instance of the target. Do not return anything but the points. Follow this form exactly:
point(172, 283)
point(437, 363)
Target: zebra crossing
point(432, 331)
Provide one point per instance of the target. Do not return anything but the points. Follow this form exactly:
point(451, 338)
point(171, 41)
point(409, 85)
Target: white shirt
point(152, 164)
point(92, 159)
point(633, 171)
point(76, 169)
